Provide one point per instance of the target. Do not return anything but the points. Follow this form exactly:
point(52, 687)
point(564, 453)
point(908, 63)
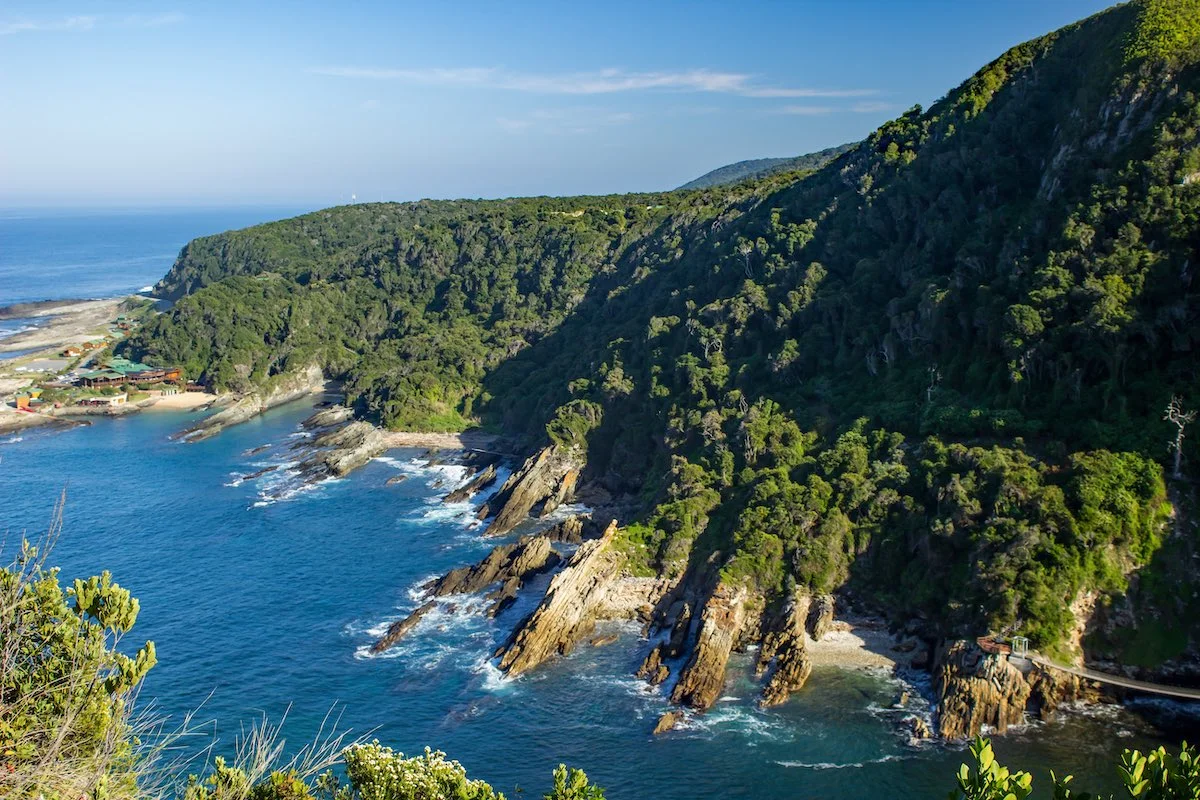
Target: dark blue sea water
point(68, 254)
point(261, 605)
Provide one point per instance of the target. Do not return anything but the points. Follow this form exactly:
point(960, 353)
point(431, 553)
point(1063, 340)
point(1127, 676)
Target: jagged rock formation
point(341, 450)
point(547, 478)
point(328, 417)
point(653, 670)
point(395, 479)
point(784, 648)
point(721, 623)
point(478, 483)
point(668, 721)
point(820, 616)
point(568, 612)
point(517, 561)
point(569, 531)
point(284, 390)
point(399, 629)
point(977, 688)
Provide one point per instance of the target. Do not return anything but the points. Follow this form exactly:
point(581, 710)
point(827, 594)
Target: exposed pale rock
point(721, 624)
point(976, 689)
point(519, 560)
point(339, 451)
point(784, 649)
point(601, 641)
point(820, 617)
point(564, 492)
point(542, 477)
point(668, 721)
point(328, 417)
point(569, 531)
point(568, 611)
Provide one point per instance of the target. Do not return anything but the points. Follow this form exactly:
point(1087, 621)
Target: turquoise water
point(260, 605)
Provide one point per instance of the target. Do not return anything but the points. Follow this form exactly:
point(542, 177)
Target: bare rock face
point(564, 492)
point(398, 630)
point(285, 389)
point(569, 531)
point(721, 623)
point(668, 721)
point(569, 610)
point(820, 617)
point(976, 689)
point(784, 649)
point(477, 484)
point(342, 450)
point(328, 417)
point(548, 477)
point(653, 670)
point(519, 560)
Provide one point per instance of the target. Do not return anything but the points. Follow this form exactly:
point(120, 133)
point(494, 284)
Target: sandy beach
point(857, 643)
point(184, 401)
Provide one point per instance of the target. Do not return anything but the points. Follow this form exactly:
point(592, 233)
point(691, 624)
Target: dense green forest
point(932, 373)
point(763, 167)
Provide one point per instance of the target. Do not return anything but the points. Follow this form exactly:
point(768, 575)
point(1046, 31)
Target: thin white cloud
point(606, 81)
point(87, 23)
point(807, 111)
point(78, 23)
point(566, 120)
point(871, 108)
point(153, 20)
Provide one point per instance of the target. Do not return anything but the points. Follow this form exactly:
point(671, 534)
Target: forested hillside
point(933, 373)
point(764, 167)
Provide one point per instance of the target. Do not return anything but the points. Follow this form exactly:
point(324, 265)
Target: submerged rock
point(395, 479)
point(252, 475)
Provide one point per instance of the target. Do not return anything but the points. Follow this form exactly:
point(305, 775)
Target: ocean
point(263, 601)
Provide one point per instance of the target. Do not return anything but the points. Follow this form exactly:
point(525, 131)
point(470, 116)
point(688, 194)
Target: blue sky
point(308, 103)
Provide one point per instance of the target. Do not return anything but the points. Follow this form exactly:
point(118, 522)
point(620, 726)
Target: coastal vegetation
point(932, 373)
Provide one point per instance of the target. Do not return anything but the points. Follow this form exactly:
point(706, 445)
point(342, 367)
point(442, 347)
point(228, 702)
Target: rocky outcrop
point(517, 561)
point(820, 617)
point(328, 417)
point(574, 601)
point(975, 688)
point(721, 623)
point(546, 478)
point(668, 721)
point(477, 484)
point(569, 531)
point(284, 389)
point(399, 629)
point(784, 651)
point(341, 450)
point(653, 670)
point(395, 479)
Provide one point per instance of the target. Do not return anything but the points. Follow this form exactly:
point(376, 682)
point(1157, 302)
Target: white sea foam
point(12, 440)
point(831, 765)
point(494, 680)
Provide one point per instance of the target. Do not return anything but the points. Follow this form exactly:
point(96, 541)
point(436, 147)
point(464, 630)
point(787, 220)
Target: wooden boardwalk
point(1177, 692)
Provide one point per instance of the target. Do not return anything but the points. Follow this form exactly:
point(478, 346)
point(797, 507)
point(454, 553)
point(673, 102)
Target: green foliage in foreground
point(67, 730)
point(1157, 775)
